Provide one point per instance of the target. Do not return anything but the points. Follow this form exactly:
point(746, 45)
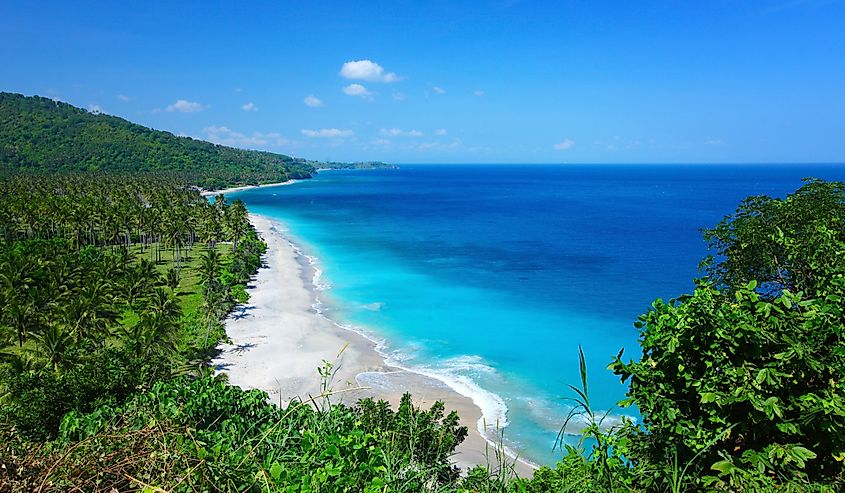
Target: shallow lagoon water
point(490, 277)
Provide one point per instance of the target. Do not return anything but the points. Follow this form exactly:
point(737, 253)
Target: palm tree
point(164, 303)
point(210, 228)
point(15, 280)
point(18, 314)
point(52, 346)
point(172, 279)
point(210, 268)
point(64, 291)
point(139, 282)
point(237, 222)
point(91, 313)
point(159, 321)
point(213, 309)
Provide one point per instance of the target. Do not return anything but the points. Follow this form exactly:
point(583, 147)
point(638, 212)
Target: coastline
point(211, 193)
point(280, 338)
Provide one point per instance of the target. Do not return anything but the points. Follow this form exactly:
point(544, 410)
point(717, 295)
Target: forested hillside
point(39, 134)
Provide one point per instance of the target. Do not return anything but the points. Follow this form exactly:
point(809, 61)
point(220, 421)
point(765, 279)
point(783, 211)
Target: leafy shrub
point(204, 434)
point(418, 438)
point(238, 293)
point(745, 378)
point(37, 401)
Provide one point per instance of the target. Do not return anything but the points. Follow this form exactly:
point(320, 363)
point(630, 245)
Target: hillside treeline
point(42, 135)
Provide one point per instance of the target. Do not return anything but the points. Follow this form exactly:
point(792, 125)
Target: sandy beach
point(278, 340)
point(210, 193)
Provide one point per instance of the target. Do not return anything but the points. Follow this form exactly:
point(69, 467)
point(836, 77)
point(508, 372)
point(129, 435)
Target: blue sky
point(453, 82)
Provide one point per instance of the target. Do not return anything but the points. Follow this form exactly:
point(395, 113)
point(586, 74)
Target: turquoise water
point(490, 277)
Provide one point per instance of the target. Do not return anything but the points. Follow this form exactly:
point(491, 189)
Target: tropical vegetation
point(741, 381)
point(44, 135)
point(109, 284)
point(113, 286)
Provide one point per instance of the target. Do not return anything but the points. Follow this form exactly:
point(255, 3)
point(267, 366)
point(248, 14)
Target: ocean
point(489, 277)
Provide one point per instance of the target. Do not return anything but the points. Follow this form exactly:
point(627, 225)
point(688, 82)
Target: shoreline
point(280, 338)
point(212, 193)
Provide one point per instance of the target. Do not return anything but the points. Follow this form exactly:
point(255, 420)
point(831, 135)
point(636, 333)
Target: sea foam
point(455, 372)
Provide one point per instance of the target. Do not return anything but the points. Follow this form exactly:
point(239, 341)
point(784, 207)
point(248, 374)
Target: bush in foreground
point(741, 382)
point(204, 435)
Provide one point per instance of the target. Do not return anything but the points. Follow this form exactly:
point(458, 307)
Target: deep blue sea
point(490, 277)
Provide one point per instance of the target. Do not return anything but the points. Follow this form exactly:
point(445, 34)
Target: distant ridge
point(38, 134)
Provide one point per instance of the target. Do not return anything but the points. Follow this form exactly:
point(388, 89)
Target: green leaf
point(724, 467)
point(275, 471)
point(801, 455)
point(708, 397)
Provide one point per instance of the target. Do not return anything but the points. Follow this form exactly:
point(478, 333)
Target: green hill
point(41, 135)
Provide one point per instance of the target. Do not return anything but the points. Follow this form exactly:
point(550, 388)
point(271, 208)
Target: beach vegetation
point(113, 287)
point(204, 435)
point(102, 285)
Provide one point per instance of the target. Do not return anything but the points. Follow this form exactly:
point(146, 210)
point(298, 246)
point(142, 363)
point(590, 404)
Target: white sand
point(209, 193)
point(278, 341)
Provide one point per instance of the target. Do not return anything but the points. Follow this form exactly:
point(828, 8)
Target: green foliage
point(743, 380)
point(206, 435)
point(239, 294)
point(46, 136)
point(413, 436)
point(37, 400)
point(793, 243)
point(603, 464)
point(111, 285)
point(713, 361)
point(99, 288)
point(42, 135)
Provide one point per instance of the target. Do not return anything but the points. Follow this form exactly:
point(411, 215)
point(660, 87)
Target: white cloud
point(381, 142)
point(184, 106)
point(398, 96)
point(440, 131)
point(228, 137)
point(124, 98)
point(713, 142)
point(564, 145)
point(398, 132)
point(358, 90)
point(439, 90)
point(367, 70)
point(95, 109)
point(335, 133)
point(479, 93)
point(249, 107)
point(312, 101)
